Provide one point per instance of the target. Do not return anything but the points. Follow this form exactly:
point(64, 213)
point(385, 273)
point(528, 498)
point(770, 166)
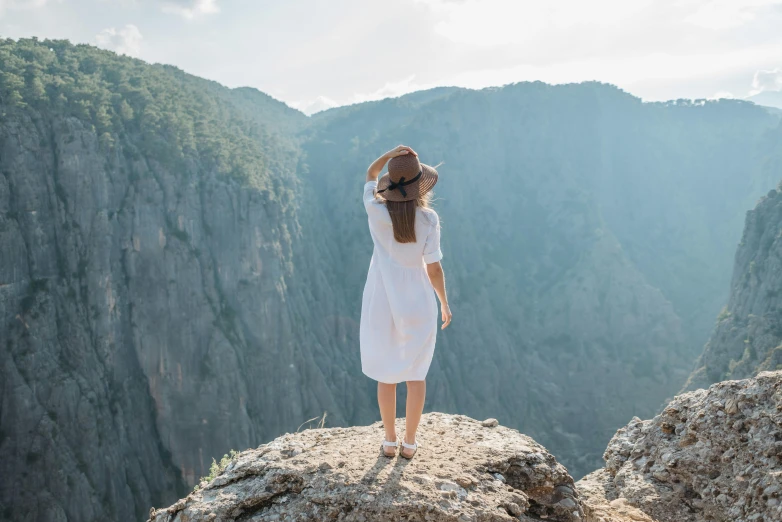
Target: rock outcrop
point(711, 455)
point(748, 335)
point(465, 470)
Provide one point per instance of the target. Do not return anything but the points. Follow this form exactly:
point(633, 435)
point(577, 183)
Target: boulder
point(711, 455)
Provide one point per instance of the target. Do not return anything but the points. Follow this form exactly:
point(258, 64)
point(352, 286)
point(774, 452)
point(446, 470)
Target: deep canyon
point(181, 266)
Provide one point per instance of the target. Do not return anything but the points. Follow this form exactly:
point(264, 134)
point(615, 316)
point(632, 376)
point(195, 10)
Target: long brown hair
point(403, 216)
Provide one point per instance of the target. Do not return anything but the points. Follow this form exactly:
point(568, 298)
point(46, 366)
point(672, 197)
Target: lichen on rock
point(465, 470)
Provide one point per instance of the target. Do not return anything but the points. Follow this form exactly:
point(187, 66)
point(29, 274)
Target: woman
point(399, 311)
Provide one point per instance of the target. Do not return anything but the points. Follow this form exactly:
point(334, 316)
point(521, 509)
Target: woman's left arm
point(376, 168)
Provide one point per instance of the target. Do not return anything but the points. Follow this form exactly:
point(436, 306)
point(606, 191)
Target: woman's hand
point(376, 168)
point(400, 150)
point(445, 310)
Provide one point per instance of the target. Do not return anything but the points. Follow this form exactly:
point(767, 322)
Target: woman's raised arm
point(376, 168)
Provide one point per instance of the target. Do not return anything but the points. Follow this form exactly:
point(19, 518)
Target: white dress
point(399, 307)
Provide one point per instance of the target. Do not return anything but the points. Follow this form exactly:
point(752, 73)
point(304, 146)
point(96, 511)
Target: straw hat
point(406, 179)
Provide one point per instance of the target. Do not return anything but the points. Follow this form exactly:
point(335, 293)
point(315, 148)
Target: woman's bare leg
point(386, 400)
point(416, 395)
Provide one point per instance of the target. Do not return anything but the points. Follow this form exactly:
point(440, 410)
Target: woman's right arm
point(437, 277)
point(376, 167)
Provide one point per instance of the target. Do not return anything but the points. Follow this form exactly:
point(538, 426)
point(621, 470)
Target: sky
point(314, 54)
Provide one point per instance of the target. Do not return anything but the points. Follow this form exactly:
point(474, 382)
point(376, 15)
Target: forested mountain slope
point(672, 180)
point(747, 338)
point(182, 264)
point(142, 219)
point(583, 233)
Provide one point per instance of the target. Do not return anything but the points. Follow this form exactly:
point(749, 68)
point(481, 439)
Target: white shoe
point(413, 446)
point(387, 444)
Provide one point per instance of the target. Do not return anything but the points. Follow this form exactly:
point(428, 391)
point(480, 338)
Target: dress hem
point(391, 381)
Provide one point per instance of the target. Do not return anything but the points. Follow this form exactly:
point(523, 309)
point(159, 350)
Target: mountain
point(140, 213)
point(666, 178)
point(748, 335)
point(586, 235)
point(768, 99)
point(182, 265)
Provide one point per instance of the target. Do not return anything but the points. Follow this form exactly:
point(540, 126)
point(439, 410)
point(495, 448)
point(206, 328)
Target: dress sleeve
point(432, 252)
point(369, 192)
point(374, 207)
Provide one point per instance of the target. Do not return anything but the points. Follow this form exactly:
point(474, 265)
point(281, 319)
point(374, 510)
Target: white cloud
point(122, 3)
point(22, 4)
point(766, 80)
point(348, 51)
point(627, 72)
point(19, 5)
point(191, 8)
point(127, 40)
point(724, 14)
point(499, 22)
point(390, 90)
point(309, 107)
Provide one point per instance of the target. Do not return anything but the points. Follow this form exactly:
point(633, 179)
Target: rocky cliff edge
point(711, 455)
point(465, 470)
